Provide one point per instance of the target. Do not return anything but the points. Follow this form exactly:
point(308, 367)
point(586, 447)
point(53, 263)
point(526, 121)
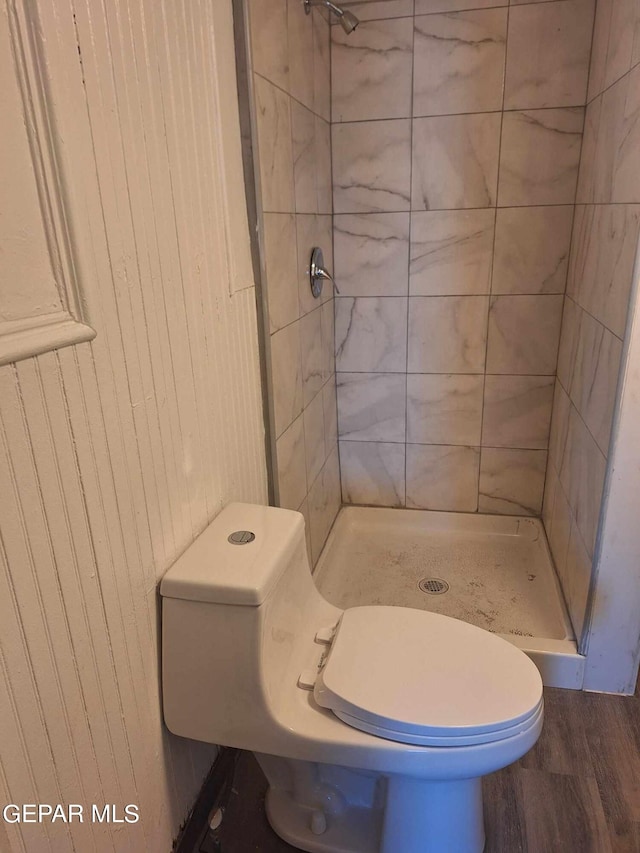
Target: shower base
point(498, 570)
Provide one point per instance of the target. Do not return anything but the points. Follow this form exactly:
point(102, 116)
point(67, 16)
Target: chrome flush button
point(241, 537)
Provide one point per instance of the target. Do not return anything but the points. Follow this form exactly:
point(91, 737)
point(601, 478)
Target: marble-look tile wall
point(456, 129)
point(290, 61)
point(605, 234)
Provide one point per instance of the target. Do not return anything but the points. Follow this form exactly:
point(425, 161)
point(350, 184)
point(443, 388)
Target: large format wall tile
point(447, 334)
point(324, 179)
point(459, 62)
point(313, 377)
point(321, 65)
point(305, 178)
point(269, 42)
point(328, 327)
point(290, 57)
point(315, 453)
point(371, 70)
point(451, 252)
point(371, 334)
point(372, 406)
point(620, 44)
point(601, 266)
point(576, 579)
point(486, 287)
point(559, 529)
point(594, 376)
point(523, 334)
point(301, 51)
point(444, 409)
point(286, 371)
point(517, 411)
point(626, 185)
point(455, 161)
point(609, 137)
point(371, 166)
point(372, 254)
point(372, 473)
point(324, 502)
point(539, 159)
point(311, 141)
point(292, 471)
point(568, 342)
point(376, 9)
point(551, 486)
point(275, 149)
point(532, 249)
point(600, 43)
point(582, 478)
point(548, 54)
point(610, 172)
point(559, 425)
point(442, 478)
point(585, 191)
point(425, 7)
point(512, 481)
point(281, 268)
point(330, 412)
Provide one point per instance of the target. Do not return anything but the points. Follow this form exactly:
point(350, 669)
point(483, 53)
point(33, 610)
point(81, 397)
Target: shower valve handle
point(318, 274)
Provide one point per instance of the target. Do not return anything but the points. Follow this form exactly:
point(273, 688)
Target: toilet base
point(424, 816)
point(329, 809)
point(354, 831)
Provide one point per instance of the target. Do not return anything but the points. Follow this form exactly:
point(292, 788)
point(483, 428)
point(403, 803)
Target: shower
point(435, 422)
point(348, 21)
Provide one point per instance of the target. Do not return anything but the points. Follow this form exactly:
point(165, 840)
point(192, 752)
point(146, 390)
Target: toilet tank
point(232, 607)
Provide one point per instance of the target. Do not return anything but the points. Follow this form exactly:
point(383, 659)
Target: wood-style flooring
point(577, 791)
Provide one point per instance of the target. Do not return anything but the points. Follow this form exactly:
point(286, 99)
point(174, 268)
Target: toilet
point(373, 725)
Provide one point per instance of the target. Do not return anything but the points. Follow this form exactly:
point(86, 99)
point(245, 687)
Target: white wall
point(114, 454)
point(613, 637)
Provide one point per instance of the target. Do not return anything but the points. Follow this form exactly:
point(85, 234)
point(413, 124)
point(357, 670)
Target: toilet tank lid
point(214, 569)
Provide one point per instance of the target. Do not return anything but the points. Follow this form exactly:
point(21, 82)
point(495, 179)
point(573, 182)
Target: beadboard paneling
point(115, 454)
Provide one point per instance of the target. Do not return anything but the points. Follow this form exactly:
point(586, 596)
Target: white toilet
point(373, 725)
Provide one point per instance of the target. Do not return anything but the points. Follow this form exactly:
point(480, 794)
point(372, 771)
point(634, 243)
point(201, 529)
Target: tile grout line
point(493, 254)
point(333, 256)
point(367, 213)
point(406, 372)
point(379, 119)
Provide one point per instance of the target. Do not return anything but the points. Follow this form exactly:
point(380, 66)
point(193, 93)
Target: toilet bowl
point(374, 725)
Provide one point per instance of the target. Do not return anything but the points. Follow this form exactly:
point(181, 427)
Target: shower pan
point(493, 571)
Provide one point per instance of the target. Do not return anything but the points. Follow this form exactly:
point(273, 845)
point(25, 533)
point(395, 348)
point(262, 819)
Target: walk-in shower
point(462, 382)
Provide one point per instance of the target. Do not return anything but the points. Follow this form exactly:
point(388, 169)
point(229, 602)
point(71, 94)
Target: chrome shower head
point(347, 20)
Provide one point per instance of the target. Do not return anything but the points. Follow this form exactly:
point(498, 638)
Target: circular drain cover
point(434, 586)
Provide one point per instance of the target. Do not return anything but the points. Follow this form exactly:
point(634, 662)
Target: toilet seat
point(422, 678)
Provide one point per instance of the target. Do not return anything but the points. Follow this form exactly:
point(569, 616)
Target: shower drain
point(434, 586)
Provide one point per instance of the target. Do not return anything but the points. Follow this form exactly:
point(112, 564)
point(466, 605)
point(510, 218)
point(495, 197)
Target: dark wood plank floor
point(577, 791)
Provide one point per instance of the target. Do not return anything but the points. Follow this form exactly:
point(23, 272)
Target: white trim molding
point(32, 336)
point(41, 331)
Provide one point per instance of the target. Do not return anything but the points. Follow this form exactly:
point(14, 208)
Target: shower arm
point(347, 20)
point(326, 3)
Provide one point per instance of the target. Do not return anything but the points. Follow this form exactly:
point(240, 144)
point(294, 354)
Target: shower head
point(346, 19)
